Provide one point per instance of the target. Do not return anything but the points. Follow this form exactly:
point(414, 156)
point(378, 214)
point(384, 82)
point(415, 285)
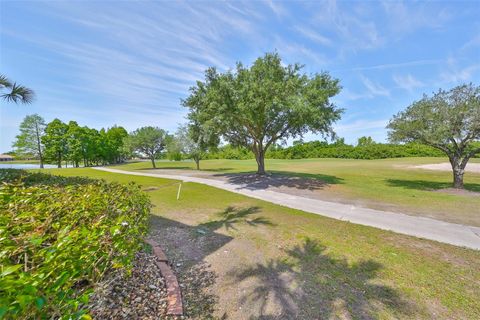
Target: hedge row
point(229, 152)
point(58, 236)
point(318, 149)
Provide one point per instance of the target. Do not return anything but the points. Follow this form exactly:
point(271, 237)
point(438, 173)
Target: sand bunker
point(471, 167)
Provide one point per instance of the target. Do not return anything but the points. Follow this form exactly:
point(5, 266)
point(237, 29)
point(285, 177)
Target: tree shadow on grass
point(192, 169)
point(232, 216)
point(425, 185)
point(217, 169)
point(166, 168)
point(278, 179)
point(311, 284)
point(186, 250)
point(186, 247)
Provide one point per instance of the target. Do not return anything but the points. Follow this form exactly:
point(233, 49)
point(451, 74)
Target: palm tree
point(18, 93)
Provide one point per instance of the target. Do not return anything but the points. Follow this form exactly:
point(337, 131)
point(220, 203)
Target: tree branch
point(438, 146)
point(276, 137)
point(468, 156)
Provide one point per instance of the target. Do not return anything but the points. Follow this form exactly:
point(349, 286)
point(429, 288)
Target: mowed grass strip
point(387, 184)
point(311, 266)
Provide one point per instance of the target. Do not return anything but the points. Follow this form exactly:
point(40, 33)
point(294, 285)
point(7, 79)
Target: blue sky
point(129, 63)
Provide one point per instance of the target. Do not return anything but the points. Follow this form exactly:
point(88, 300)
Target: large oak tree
point(259, 105)
point(448, 121)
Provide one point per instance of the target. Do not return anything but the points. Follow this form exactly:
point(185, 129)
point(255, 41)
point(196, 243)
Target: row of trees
point(188, 142)
point(68, 142)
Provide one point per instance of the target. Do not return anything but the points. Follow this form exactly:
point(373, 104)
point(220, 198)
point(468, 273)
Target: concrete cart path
point(456, 234)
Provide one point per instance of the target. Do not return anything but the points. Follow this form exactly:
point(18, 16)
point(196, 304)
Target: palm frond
point(19, 93)
point(4, 82)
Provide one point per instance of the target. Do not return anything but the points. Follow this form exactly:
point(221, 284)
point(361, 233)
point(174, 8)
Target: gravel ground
point(142, 295)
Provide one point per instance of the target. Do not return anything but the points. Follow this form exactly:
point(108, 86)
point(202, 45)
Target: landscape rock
point(140, 295)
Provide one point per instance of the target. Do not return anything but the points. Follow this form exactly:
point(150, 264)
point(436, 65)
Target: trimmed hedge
point(318, 149)
point(58, 236)
point(321, 149)
point(230, 152)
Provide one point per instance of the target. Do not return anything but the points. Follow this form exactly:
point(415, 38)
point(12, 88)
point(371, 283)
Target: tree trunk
point(39, 146)
point(153, 162)
point(197, 162)
point(458, 179)
point(260, 158)
point(458, 171)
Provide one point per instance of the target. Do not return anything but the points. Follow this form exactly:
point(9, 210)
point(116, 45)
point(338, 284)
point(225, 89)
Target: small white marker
point(178, 193)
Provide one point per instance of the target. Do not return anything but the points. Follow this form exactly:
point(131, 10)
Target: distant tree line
point(60, 142)
point(337, 149)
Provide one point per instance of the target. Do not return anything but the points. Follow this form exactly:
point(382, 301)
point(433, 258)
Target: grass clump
point(58, 236)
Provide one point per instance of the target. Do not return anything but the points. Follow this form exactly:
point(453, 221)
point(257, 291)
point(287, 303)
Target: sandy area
point(471, 167)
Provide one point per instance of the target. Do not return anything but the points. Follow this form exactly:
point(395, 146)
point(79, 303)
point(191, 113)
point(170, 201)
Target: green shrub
point(319, 149)
point(58, 236)
point(230, 152)
point(174, 156)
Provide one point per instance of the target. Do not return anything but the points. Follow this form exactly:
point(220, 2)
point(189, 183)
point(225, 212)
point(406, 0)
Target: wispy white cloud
point(295, 52)
point(385, 66)
point(148, 59)
point(473, 43)
point(354, 32)
point(407, 82)
point(277, 8)
point(313, 35)
point(458, 75)
point(374, 89)
point(403, 18)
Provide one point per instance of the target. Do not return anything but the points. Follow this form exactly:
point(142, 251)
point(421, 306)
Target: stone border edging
point(174, 295)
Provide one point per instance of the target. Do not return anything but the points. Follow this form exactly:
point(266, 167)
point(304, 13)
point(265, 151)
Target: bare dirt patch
point(445, 166)
point(459, 192)
point(150, 189)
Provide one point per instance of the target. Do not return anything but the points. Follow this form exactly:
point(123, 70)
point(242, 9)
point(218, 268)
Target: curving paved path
point(456, 234)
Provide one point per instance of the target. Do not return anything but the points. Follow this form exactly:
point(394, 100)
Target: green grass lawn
point(380, 184)
point(270, 260)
